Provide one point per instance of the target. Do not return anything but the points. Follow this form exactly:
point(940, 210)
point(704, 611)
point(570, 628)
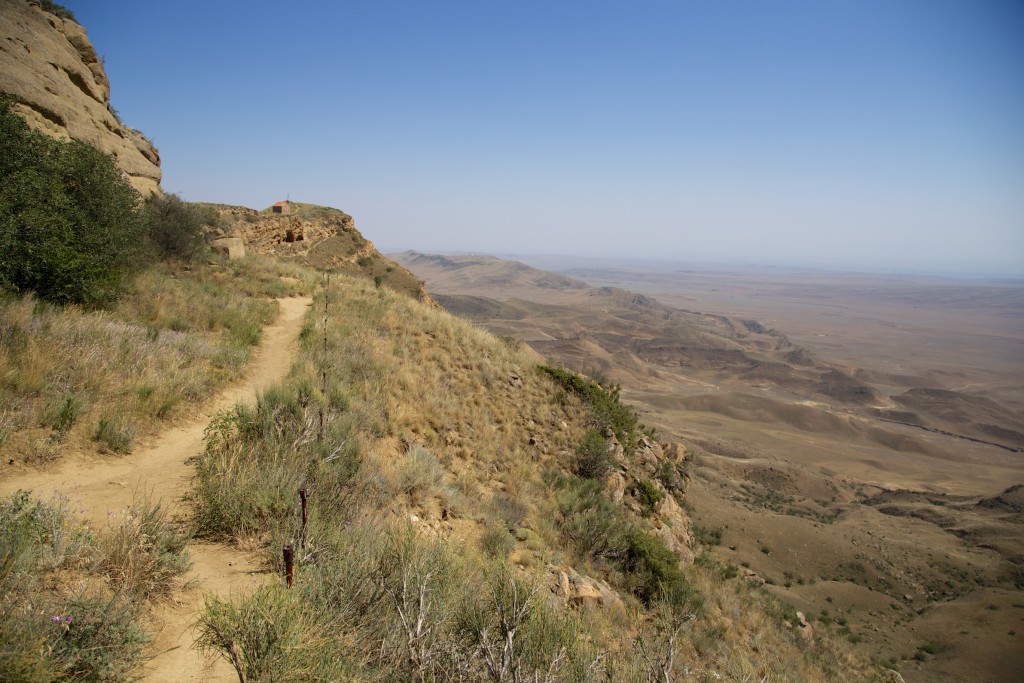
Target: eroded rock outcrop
point(49, 65)
point(318, 236)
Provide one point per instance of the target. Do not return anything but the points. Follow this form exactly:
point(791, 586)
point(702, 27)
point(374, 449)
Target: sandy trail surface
point(160, 469)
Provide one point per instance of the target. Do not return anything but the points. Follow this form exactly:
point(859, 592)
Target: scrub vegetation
point(72, 599)
point(446, 500)
point(71, 376)
point(463, 520)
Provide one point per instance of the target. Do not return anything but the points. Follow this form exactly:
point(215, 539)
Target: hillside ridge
point(319, 236)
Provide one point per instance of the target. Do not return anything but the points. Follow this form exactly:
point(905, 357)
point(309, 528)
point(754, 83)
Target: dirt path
point(104, 487)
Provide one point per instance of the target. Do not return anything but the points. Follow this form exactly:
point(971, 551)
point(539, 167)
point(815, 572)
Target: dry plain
point(856, 439)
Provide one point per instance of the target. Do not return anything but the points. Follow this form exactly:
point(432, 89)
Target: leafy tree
point(175, 227)
point(70, 229)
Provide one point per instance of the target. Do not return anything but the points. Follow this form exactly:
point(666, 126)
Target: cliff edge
point(48, 64)
point(319, 236)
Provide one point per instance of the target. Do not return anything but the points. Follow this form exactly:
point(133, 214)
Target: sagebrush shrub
point(594, 457)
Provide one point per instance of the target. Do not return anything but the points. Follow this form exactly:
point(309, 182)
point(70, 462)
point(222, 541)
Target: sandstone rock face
point(806, 632)
point(573, 588)
point(321, 237)
point(615, 488)
point(676, 529)
point(751, 576)
point(49, 64)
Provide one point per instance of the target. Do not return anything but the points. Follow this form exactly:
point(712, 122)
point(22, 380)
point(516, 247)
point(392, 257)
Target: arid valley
point(240, 442)
point(855, 440)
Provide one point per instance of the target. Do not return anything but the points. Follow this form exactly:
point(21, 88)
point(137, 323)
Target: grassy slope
point(445, 526)
point(74, 600)
point(95, 380)
point(442, 516)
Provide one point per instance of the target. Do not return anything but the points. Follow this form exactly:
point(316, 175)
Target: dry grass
point(71, 599)
point(97, 379)
point(452, 429)
point(142, 552)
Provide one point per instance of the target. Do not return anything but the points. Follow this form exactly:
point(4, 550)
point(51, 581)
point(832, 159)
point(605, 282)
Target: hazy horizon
point(568, 262)
point(865, 136)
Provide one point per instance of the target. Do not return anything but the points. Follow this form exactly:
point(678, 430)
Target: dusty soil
point(161, 470)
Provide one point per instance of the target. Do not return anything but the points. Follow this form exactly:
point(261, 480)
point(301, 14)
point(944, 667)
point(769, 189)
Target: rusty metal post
point(303, 496)
point(289, 558)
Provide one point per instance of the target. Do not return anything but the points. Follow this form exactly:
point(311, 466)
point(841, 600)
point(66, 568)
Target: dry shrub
point(418, 474)
point(58, 619)
point(511, 511)
point(142, 552)
point(269, 636)
point(497, 542)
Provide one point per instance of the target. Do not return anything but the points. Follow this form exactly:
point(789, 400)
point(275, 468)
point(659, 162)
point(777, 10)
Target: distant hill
point(632, 337)
point(450, 274)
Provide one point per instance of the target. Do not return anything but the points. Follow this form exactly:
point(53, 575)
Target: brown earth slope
point(880, 501)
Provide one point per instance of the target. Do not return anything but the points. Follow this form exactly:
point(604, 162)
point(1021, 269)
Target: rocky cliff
point(318, 236)
point(49, 65)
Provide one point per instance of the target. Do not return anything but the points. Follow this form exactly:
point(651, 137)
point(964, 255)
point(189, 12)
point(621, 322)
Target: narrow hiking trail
point(160, 469)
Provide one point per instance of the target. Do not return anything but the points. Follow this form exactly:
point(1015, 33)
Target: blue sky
point(870, 134)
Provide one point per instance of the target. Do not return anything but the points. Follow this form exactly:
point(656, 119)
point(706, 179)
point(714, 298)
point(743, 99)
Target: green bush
point(708, 536)
point(594, 457)
point(647, 495)
point(268, 636)
point(652, 570)
point(115, 434)
point(62, 413)
point(497, 542)
point(670, 476)
point(175, 227)
point(69, 225)
point(598, 529)
point(591, 523)
point(606, 411)
point(257, 459)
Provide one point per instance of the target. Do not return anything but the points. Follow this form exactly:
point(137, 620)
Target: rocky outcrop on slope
point(319, 236)
point(49, 65)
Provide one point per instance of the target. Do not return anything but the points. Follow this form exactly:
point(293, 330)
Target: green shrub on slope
point(606, 410)
point(69, 225)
